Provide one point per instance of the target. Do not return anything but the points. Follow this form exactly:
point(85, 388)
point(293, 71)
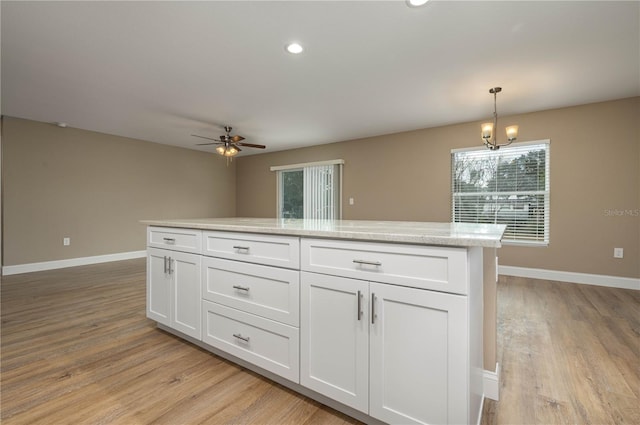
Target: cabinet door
point(418, 356)
point(158, 286)
point(334, 352)
point(186, 293)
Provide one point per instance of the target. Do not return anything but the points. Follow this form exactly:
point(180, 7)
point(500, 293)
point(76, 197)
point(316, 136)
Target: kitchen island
point(380, 320)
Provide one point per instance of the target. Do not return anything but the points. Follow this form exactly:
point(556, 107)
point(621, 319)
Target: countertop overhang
point(422, 233)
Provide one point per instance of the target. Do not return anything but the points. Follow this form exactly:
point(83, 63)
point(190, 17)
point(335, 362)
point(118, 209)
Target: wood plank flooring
point(76, 348)
point(569, 354)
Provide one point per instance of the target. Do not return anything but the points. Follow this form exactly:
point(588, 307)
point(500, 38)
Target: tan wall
point(94, 188)
point(595, 172)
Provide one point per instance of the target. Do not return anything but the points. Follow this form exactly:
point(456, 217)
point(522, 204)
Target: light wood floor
point(569, 354)
point(77, 349)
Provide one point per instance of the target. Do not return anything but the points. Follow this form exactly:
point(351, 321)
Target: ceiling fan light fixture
point(228, 145)
point(294, 48)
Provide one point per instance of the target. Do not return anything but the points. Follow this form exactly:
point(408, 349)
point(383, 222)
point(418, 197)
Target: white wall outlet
point(351, 202)
point(618, 252)
point(66, 241)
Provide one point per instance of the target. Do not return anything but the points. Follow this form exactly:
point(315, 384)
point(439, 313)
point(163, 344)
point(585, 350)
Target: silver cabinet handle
point(242, 338)
point(373, 308)
point(241, 248)
point(359, 305)
point(169, 271)
point(241, 288)
point(370, 263)
point(165, 264)
point(169, 240)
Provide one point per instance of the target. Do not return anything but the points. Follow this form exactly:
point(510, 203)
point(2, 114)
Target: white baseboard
point(491, 383)
point(72, 262)
point(584, 278)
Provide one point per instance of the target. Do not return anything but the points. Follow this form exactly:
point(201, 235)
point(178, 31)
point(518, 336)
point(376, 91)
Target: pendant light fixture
point(489, 128)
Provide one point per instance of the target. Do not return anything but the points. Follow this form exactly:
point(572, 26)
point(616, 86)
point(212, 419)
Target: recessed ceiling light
point(294, 48)
point(416, 3)
point(61, 124)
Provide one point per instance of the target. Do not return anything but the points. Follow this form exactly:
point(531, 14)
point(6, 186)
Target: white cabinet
point(376, 336)
point(334, 333)
point(387, 331)
point(251, 310)
point(173, 290)
point(158, 286)
point(393, 352)
point(270, 292)
point(418, 356)
point(270, 250)
point(426, 267)
point(271, 345)
point(175, 239)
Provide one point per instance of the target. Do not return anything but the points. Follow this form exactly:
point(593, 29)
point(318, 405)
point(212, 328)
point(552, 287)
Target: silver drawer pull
point(241, 288)
point(241, 248)
point(370, 263)
point(169, 240)
point(373, 309)
point(240, 337)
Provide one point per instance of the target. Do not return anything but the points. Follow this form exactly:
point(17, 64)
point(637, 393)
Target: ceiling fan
point(229, 145)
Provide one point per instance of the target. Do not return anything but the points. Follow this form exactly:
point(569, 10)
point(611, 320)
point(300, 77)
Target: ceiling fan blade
point(208, 138)
point(236, 138)
point(212, 143)
point(251, 145)
point(237, 148)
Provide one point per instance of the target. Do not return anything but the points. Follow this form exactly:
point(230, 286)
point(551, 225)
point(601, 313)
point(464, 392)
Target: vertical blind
point(507, 186)
point(310, 190)
point(320, 192)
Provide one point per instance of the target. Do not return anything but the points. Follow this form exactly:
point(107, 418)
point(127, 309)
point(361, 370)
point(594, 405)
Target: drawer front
point(425, 267)
point(280, 251)
point(269, 292)
point(267, 344)
point(176, 239)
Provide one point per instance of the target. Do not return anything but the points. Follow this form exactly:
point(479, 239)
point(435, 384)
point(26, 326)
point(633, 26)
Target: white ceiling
point(160, 71)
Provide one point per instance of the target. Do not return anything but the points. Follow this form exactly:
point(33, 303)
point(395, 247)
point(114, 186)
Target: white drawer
point(269, 292)
point(174, 238)
point(280, 251)
point(426, 267)
point(267, 344)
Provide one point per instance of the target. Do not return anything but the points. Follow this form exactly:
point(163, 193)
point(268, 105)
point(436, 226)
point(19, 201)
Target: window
point(508, 186)
point(310, 190)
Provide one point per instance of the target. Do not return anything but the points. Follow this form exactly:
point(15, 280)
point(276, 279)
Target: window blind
point(310, 190)
point(509, 186)
point(320, 190)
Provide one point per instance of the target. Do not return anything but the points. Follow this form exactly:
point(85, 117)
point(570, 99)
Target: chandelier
point(489, 128)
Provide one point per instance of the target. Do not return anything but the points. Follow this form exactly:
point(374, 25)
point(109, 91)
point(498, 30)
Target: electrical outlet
point(66, 241)
point(618, 252)
point(351, 202)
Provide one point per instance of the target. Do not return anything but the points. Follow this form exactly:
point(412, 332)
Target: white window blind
point(310, 191)
point(320, 190)
point(508, 186)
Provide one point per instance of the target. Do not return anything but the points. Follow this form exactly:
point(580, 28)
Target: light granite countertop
point(423, 233)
